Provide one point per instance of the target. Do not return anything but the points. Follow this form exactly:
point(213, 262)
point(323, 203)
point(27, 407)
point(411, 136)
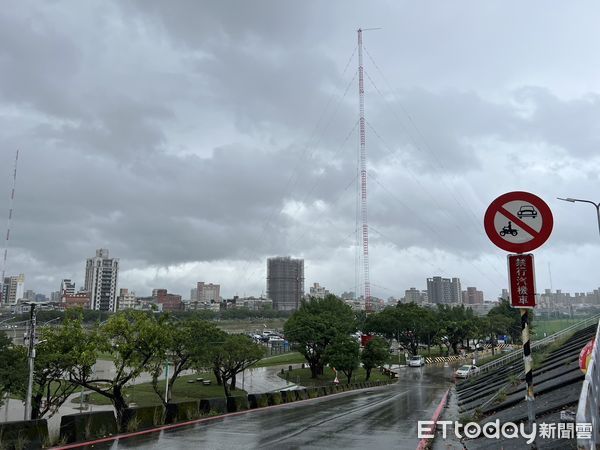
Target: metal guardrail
point(517, 354)
point(589, 401)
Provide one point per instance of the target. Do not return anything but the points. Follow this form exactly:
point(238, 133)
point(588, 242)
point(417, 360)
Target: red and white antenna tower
point(10, 213)
point(363, 177)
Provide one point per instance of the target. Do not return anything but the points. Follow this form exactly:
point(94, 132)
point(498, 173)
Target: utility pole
point(31, 357)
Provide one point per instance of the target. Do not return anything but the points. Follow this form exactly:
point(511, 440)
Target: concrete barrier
point(213, 406)
point(87, 426)
point(235, 404)
point(274, 398)
point(24, 434)
point(312, 392)
point(257, 401)
point(289, 396)
point(144, 417)
point(182, 411)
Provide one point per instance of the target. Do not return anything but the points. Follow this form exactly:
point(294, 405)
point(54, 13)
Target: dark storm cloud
point(211, 132)
point(39, 65)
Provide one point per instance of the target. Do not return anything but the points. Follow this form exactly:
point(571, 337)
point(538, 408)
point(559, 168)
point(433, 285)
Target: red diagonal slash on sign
point(502, 210)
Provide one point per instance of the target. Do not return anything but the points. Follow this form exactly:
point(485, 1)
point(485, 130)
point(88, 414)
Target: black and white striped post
point(528, 363)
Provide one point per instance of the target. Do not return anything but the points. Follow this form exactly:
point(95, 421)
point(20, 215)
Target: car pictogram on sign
point(526, 211)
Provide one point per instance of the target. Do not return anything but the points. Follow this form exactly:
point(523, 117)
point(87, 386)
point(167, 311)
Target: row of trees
point(322, 328)
point(447, 326)
point(137, 342)
point(322, 332)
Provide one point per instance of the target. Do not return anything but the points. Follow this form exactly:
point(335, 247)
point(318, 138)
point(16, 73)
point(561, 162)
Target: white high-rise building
point(101, 274)
point(14, 289)
point(67, 287)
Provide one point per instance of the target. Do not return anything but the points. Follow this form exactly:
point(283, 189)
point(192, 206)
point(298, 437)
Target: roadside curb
point(436, 415)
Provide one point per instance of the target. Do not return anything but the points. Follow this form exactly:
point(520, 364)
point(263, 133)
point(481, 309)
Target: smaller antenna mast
point(10, 213)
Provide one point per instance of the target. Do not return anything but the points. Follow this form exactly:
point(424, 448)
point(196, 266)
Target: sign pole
point(527, 362)
point(520, 222)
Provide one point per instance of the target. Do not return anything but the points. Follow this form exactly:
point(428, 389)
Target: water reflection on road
point(383, 417)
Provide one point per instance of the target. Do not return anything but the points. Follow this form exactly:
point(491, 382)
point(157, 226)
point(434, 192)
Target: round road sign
point(518, 222)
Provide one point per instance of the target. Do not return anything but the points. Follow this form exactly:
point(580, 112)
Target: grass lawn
point(285, 358)
point(144, 395)
point(302, 377)
point(550, 326)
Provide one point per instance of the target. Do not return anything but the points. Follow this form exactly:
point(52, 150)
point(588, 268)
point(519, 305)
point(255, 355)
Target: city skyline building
point(207, 292)
point(318, 291)
point(126, 299)
point(67, 287)
point(472, 296)
point(444, 290)
point(413, 295)
point(101, 278)
point(285, 282)
point(13, 289)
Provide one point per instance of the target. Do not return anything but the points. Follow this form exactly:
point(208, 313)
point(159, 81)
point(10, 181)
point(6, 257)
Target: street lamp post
point(596, 205)
point(31, 358)
point(31, 355)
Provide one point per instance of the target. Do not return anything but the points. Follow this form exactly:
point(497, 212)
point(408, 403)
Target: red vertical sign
point(521, 279)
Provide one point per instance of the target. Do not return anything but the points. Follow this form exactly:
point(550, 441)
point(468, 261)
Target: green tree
point(407, 323)
point(132, 338)
point(13, 368)
point(513, 324)
point(185, 344)
point(315, 325)
point(56, 355)
point(457, 324)
point(374, 354)
point(343, 354)
point(234, 355)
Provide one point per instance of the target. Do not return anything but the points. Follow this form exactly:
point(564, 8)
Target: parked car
point(416, 361)
point(466, 371)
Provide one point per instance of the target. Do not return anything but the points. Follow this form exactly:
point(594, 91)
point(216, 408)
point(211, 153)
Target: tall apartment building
point(318, 291)
point(67, 287)
point(413, 295)
point(285, 282)
point(101, 274)
point(208, 292)
point(444, 290)
point(13, 289)
point(472, 296)
point(126, 300)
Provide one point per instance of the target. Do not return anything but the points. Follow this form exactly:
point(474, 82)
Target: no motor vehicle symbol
point(518, 222)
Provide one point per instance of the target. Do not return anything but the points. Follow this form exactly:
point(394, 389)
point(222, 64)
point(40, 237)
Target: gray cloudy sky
point(195, 139)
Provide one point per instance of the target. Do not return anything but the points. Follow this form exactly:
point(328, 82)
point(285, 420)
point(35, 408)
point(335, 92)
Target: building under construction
point(285, 282)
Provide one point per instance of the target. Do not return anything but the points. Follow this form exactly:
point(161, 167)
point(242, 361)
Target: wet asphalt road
point(377, 418)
